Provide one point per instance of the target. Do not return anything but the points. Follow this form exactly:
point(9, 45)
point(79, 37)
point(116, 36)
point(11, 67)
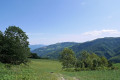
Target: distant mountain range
point(32, 47)
point(108, 47)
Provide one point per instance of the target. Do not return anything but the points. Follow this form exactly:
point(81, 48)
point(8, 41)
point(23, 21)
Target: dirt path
point(74, 78)
point(62, 78)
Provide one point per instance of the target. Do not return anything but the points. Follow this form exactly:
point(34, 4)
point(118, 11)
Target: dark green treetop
point(15, 49)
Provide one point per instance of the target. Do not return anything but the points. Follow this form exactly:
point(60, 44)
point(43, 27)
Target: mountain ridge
point(108, 47)
point(32, 47)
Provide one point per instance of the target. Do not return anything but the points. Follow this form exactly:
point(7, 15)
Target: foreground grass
point(51, 70)
point(95, 75)
point(35, 70)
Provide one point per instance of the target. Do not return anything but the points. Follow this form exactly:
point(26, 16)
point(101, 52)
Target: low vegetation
point(34, 56)
point(35, 70)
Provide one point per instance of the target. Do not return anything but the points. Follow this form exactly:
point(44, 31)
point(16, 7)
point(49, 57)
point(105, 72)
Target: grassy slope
point(41, 70)
point(37, 70)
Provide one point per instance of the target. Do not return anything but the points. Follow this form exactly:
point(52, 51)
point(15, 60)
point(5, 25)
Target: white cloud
point(86, 36)
point(102, 32)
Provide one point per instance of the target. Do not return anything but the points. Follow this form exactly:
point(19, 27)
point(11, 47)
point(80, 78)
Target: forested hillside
point(32, 47)
point(52, 49)
point(108, 47)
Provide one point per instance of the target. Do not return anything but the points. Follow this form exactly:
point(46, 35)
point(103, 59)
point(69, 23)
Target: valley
point(59, 39)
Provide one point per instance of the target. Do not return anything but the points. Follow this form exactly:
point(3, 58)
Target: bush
point(8, 66)
point(34, 56)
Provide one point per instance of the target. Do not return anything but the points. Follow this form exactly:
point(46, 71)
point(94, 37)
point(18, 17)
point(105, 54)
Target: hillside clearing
point(51, 70)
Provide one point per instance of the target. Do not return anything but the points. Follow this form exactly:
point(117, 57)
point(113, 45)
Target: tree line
point(85, 61)
point(14, 46)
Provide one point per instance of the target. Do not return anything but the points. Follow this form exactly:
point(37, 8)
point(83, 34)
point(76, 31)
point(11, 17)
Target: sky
point(53, 21)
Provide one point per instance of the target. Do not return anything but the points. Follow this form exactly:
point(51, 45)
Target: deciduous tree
point(68, 59)
point(15, 49)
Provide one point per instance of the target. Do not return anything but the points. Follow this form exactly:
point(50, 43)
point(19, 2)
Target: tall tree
point(15, 49)
point(1, 41)
point(68, 59)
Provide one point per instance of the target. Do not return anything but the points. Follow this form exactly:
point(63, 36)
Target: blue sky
point(52, 21)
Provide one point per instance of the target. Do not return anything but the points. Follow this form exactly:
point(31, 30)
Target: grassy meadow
point(38, 69)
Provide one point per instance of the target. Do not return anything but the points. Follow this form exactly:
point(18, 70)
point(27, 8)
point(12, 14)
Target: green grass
point(39, 69)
